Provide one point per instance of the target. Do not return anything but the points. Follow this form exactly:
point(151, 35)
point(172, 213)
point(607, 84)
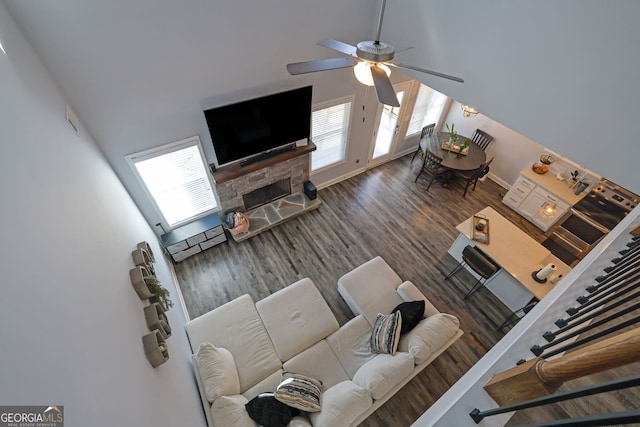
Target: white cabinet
point(518, 191)
point(528, 199)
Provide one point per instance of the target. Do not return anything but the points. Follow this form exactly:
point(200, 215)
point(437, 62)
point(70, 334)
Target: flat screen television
point(259, 125)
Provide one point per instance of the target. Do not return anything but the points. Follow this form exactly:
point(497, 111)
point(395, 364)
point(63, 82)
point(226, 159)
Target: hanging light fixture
point(468, 111)
point(548, 210)
point(362, 70)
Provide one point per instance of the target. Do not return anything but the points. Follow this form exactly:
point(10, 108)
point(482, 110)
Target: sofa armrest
point(409, 292)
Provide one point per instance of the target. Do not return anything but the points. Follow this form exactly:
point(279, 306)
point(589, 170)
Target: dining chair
point(431, 164)
point(472, 177)
point(481, 138)
point(480, 263)
point(426, 131)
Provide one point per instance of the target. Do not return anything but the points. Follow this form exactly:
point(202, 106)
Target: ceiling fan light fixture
point(468, 111)
point(362, 71)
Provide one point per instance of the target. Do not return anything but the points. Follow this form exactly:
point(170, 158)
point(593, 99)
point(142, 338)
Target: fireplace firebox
point(267, 194)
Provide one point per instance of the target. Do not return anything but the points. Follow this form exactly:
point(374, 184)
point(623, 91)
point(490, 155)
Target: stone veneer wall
point(230, 192)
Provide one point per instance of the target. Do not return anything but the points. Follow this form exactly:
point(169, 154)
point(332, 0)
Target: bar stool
point(480, 263)
point(515, 317)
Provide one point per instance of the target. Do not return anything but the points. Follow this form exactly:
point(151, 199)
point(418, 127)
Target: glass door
point(386, 135)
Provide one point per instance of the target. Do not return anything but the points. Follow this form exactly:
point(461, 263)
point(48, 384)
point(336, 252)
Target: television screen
point(259, 125)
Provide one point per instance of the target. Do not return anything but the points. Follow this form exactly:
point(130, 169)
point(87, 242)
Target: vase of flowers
point(453, 134)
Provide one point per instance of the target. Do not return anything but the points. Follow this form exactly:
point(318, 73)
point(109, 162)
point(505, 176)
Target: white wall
point(71, 321)
point(562, 73)
point(512, 152)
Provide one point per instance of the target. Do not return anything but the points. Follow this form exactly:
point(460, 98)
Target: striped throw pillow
point(299, 391)
point(385, 335)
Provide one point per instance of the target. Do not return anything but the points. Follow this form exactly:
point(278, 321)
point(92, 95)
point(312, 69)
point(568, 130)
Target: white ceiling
point(140, 72)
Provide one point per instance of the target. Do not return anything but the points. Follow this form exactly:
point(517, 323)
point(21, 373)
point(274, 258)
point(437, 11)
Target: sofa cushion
point(217, 371)
point(370, 289)
point(296, 317)
point(268, 411)
point(351, 344)
point(341, 405)
point(383, 372)
point(236, 326)
point(412, 312)
point(318, 361)
point(429, 336)
point(231, 411)
point(269, 384)
point(409, 292)
point(299, 391)
point(385, 334)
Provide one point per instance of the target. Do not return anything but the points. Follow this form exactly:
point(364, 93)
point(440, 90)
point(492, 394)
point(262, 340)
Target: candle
point(545, 271)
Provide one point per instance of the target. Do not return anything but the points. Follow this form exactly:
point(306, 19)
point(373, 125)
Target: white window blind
point(176, 178)
point(330, 131)
point(427, 110)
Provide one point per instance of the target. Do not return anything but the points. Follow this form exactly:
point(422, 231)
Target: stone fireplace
point(232, 189)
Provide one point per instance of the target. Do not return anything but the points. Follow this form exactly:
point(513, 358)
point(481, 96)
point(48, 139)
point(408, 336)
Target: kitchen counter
point(518, 255)
point(555, 186)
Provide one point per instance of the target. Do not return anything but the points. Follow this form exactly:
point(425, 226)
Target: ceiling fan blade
point(320, 65)
point(424, 70)
point(338, 46)
point(384, 89)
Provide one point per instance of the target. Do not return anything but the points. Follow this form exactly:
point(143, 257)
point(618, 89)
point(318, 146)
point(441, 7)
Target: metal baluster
point(590, 338)
point(553, 341)
point(614, 385)
point(584, 314)
point(613, 287)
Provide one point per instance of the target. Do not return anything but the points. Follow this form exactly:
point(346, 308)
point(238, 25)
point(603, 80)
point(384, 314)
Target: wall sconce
point(468, 111)
point(548, 210)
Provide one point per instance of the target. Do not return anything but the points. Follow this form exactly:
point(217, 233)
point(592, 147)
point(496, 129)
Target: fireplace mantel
point(234, 170)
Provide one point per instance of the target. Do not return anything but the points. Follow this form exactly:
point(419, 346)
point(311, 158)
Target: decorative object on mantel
point(147, 286)
point(468, 111)
point(541, 275)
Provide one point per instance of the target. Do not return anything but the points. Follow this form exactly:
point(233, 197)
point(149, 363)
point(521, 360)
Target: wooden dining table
point(451, 160)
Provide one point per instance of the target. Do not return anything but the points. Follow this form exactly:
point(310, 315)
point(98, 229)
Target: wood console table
point(234, 170)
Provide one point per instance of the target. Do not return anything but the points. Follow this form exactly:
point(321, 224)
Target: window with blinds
point(330, 132)
point(176, 179)
point(427, 110)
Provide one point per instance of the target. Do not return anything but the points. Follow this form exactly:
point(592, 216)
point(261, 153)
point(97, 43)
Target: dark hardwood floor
point(379, 212)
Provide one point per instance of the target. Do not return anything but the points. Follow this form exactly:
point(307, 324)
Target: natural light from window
point(330, 132)
point(427, 110)
point(176, 178)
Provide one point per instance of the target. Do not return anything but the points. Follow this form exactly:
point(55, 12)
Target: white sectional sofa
point(294, 330)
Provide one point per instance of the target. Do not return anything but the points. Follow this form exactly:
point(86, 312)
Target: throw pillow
point(386, 333)
point(217, 371)
point(299, 391)
point(268, 411)
point(411, 312)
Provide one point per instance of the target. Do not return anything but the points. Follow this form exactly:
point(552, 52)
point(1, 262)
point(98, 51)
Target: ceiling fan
point(371, 61)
